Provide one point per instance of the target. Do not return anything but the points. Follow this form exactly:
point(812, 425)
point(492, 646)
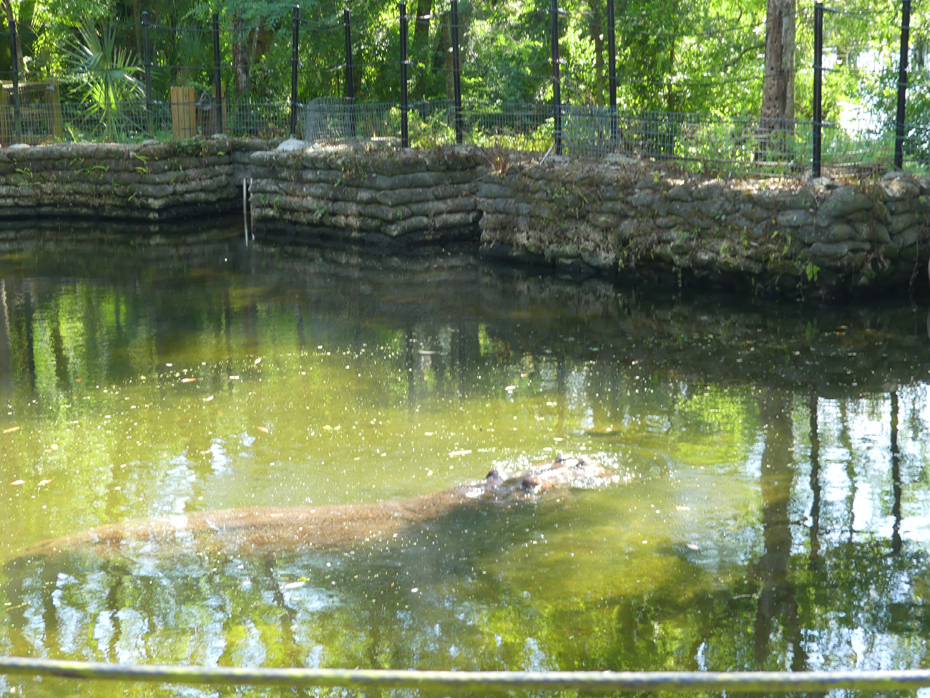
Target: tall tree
point(597, 36)
point(421, 47)
point(778, 80)
point(240, 57)
point(10, 17)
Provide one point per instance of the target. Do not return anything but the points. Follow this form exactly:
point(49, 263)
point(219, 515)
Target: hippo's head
point(565, 472)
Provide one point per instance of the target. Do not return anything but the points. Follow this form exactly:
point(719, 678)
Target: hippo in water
point(273, 530)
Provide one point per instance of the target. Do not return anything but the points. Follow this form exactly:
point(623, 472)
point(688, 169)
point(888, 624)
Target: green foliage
point(810, 271)
point(506, 51)
point(104, 74)
point(694, 57)
point(431, 132)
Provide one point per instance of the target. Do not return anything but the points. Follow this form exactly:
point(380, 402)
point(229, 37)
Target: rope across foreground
point(748, 681)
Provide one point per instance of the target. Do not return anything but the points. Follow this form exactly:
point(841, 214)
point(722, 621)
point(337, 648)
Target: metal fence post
point(17, 114)
point(612, 74)
point(556, 80)
point(147, 60)
point(218, 83)
point(902, 84)
point(350, 76)
point(295, 38)
point(818, 89)
point(404, 134)
point(456, 75)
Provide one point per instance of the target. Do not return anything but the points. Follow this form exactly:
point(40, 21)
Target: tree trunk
point(597, 35)
point(240, 57)
point(421, 47)
point(788, 56)
point(10, 18)
point(672, 101)
point(445, 47)
point(137, 26)
point(778, 81)
point(777, 598)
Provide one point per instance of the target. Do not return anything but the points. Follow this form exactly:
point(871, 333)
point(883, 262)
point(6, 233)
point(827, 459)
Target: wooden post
point(183, 112)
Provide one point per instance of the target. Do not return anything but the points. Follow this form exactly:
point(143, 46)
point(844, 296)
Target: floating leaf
point(18, 482)
point(264, 430)
point(11, 430)
point(188, 380)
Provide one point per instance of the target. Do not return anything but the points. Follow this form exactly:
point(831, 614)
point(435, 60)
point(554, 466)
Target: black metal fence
point(122, 101)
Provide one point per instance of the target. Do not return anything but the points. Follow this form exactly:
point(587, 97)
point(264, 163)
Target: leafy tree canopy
point(703, 56)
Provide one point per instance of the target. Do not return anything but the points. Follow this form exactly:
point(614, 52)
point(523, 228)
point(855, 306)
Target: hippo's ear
point(494, 477)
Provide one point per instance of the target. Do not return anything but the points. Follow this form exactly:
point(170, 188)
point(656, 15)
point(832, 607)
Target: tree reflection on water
point(775, 513)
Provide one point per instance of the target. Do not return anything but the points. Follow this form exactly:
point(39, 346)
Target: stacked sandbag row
point(362, 193)
point(149, 181)
point(828, 236)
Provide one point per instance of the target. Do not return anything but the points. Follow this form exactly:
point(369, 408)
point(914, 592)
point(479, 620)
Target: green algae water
point(772, 512)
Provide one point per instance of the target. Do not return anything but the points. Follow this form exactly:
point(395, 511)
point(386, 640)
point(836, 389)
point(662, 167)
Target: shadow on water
point(419, 601)
point(828, 349)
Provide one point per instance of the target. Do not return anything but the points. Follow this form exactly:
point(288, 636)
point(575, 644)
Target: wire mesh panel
point(152, 79)
point(332, 119)
point(248, 119)
point(857, 148)
point(114, 122)
point(916, 145)
point(329, 119)
point(525, 127)
point(36, 118)
point(916, 148)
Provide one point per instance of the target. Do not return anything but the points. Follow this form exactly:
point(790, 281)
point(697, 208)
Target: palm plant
point(104, 73)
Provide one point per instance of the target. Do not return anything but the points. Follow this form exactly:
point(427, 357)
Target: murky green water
point(777, 476)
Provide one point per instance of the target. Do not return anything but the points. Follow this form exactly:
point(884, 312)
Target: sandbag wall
point(364, 194)
point(620, 217)
point(150, 181)
point(783, 235)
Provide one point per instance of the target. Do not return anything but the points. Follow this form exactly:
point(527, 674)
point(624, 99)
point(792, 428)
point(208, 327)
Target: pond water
point(773, 510)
